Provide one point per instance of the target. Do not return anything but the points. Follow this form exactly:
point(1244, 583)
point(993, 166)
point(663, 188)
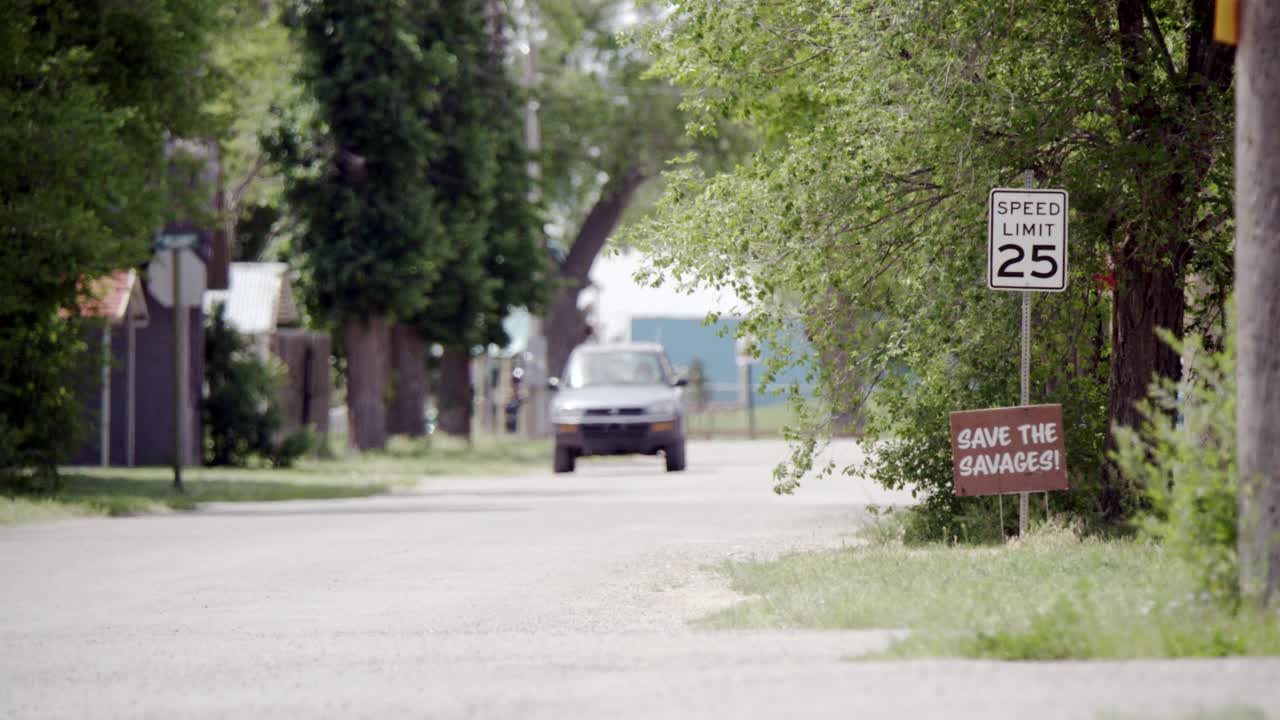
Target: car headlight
point(662, 407)
point(565, 413)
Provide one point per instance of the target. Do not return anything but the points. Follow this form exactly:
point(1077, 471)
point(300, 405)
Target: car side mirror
point(553, 383)
point(681, 382)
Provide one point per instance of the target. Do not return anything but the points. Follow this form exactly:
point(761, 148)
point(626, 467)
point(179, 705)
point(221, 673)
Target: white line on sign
point(1027, 240)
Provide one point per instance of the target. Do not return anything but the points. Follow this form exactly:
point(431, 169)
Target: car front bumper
point(618, 438)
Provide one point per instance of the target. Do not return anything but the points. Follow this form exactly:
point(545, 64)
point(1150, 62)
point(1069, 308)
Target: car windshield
point(622, 367)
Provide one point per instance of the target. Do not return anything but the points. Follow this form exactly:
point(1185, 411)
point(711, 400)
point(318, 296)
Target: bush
point(1184, 454)
point(39, 407)
point(241, 414)
point(909, 432)
point(293, 446)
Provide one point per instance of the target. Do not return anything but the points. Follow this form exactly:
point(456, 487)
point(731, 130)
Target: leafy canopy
point(89, 92)
point(860, 220)
point(408, 179)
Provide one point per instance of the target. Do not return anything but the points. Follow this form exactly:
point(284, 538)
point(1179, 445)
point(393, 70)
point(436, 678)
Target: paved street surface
point(538, 596)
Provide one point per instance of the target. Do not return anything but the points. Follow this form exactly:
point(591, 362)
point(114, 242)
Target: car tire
point(564, 460)
point(675, 457)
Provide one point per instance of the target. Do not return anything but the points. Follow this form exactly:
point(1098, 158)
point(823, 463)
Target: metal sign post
point(179, 369)
point(1026, 253)
point(1024, 397)
point(177, 245)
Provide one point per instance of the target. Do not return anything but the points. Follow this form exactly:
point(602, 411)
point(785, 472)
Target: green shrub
point(293, 446)
point(909, 430)
point(1184, 455)
point(241, 414)
point(41, 356)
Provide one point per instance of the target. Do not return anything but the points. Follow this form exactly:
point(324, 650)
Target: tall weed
point(1184, 455)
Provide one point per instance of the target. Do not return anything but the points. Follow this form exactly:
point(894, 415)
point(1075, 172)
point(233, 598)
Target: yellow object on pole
point(1226, 22)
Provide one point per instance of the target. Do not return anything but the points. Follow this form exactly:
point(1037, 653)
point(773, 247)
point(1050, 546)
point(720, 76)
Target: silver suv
point(618, 400)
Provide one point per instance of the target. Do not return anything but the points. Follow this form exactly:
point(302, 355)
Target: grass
point(1053, 596)
point(89, 491)
point(769, 421)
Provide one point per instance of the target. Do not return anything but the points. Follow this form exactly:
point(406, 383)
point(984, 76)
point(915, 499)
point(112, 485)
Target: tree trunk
point(565, 326)
point(1148, 295)
point(455, 392)
point(1258, 298)
point(367, 343)
point(1149, 290)
point(405, 416)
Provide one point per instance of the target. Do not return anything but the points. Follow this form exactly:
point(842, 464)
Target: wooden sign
point(1008, 450)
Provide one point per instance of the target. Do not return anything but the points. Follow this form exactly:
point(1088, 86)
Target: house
point(129, 405)
point(138, 385)
point(117, 304)
point(259, 304)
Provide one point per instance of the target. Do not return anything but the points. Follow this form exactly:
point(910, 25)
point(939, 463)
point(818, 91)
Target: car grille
point(612, 412)
point(615, 430)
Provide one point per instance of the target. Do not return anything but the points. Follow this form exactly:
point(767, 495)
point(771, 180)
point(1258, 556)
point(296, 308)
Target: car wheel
point(565, 459)
point(675, 457)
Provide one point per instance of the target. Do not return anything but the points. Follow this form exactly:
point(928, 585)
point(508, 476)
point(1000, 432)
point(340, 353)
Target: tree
point(608, 128)
point(413, 193)
point(1258, 298)
point(261, 61)
point(359, 183)
point(862, 217)
point(87, 99)
point(1176, 120)
point(495, 261)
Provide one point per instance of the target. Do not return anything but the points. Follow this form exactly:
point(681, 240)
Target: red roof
point(109, 296)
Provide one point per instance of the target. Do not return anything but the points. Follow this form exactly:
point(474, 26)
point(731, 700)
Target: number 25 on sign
point(1027, 240)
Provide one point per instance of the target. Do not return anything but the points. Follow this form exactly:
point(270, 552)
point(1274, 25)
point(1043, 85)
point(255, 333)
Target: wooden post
point(131, 388)
point(1257, 266)
point(104, 423)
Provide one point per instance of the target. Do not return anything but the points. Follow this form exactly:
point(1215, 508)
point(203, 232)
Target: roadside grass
point(732, 422)
point(22, 510)
point(448, 456)
point(137, 491)
point(89, 491)
point(1051, 596)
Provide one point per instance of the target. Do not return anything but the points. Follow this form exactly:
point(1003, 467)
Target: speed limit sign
point(1027, 240)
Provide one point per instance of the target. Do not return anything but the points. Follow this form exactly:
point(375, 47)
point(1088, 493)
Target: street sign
point(1027, 240)
point(160, 277)
point(169, 241)
point(1008, 450)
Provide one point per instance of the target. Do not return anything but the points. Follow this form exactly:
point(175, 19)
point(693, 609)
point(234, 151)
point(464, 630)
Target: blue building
point(687, 339)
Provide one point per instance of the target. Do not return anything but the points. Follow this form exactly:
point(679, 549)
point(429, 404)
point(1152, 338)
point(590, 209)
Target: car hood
point(614, 396)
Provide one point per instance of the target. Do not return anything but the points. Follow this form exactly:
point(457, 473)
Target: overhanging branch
point(1158, 38)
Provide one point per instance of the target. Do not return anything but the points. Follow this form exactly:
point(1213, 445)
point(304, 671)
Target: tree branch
point(598, 226)
point(1158, 37)
point(243, 185)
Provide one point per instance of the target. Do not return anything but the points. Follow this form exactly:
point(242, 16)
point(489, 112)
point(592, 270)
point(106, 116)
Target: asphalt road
point(525, 597)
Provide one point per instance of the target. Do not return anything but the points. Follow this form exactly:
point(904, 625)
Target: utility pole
point(1257, 205)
